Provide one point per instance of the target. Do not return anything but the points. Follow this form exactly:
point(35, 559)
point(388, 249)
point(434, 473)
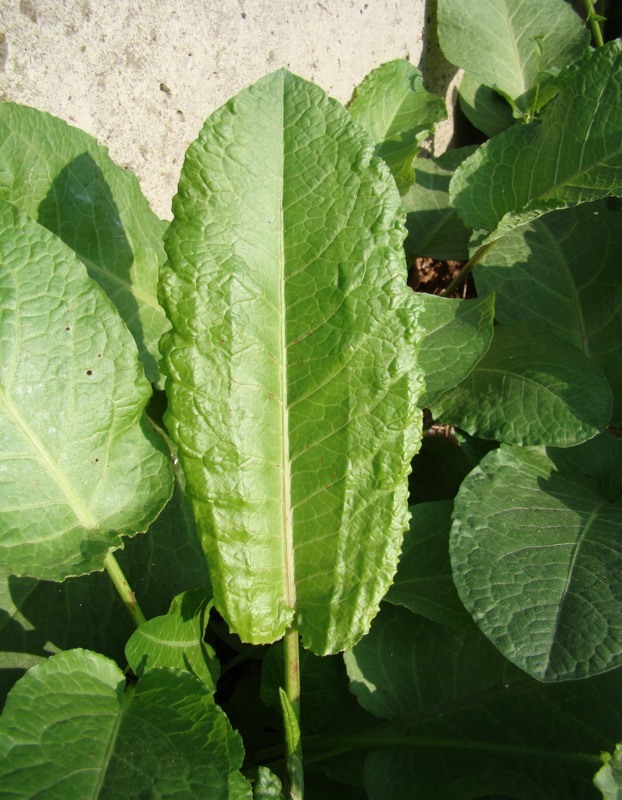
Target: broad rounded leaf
point(562, 272)
point(61, 177)
point(457, 335)
point(530, 388)
point(511, 46)
point(483, 107)
point(69, 729)
point(79, 464)
point(573, 156)
point(399, 113)
point(291, 368)
point(536, 549)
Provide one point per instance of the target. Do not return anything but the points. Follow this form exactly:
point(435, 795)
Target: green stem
point(293, 748)
point(594, 19)
point(122, 586)
point(466, 269)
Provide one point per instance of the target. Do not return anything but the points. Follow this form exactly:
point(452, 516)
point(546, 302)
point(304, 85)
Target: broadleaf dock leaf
point(80, 465)
point(70, 729)
point(291, 367)
point(61, 177)
point(536, 549)
point(485, 109)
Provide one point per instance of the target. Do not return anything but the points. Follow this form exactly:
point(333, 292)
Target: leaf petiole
point(594, 19)
point(123, 588)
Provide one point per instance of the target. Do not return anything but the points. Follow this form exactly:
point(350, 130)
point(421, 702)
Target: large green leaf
point(457, 335)
point(513, 47)
point(573, 156)
point(530, 388)
point(536, 549)
point(69, 729)
point(399, 113)
point(434, 227)
point(562, 272)
point(65, 180)
point(483, 107)
point(464, 723)
point(80, 465)
point(291, 367)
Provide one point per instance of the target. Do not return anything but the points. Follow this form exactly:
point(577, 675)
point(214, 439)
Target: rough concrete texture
point(142, 76)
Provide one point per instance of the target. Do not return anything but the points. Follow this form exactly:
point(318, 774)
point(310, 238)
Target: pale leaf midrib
point(83, 515)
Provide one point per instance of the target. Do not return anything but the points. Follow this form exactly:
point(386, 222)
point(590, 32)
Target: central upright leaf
point(291, 366)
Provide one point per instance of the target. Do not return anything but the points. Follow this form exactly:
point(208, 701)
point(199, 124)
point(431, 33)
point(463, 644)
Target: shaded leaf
point(437, 470)
point(434, 227)
point(512, 47)
point(61, 177)
point(562, 272)
point(530, 388)
point(80, 465)
point(175, 641)
point(487, 110)
point(573, 156)
point(291, 369)
point(69, 729)
point(399, 113)
point(536, 549)
point(423, 582)
point(457, 335)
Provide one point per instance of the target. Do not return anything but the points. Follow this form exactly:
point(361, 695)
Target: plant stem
point(594, 19)
point(466, 269)
point(122, 586)
point(293, 748)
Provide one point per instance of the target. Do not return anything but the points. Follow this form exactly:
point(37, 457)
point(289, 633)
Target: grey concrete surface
point(142, 76)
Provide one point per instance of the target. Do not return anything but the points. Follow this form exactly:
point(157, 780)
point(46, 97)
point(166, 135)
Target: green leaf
point(267, 786)
point(80, 465)
point(61, 177)
point(483, 107)
point(291, 367)
point(530, 388)
point(562, 272)
point(423, 582)
point(434, 227)
point(175, 641)
point(392, 105)
point(511, 47)
point(69, 729)
point(609, 777)
point(536, 548)
point(438, 469)
point(572, 157)
point(458, 334)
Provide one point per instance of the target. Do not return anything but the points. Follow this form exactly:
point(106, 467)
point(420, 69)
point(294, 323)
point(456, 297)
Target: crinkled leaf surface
point(536, 549)
point(465, 723)
point(562, 272)
point(511, 46)
point(434, 227)
point(457, 335)
point(573, 156)
point(530, 388)
point(486, 109)
point(609, 777)
point(175, 641)
point(399, 113)
point(61, 177)
point(69, 729)
point(291, 367)
point(423, 582)
point(79, 466)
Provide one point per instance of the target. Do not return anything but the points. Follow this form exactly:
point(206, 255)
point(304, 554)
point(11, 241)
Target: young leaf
point(572, 157)
point(399, 113)
point(536, 549)
point(609, 777)
point(457, 335)
point(530, 388)
point(562, 272)
point(61, 177)
point(291, 368)
point(423, 582)
point(175, 641)
point(434, 227)
point(69, 729)
point(483, 107)
point(513, 47)
point(80, 466)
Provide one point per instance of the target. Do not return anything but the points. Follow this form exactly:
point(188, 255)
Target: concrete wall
point(142, 76)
